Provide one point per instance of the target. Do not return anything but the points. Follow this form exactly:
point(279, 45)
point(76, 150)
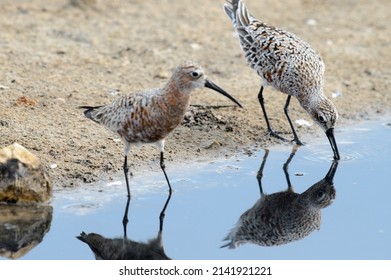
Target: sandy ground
point(58, 55)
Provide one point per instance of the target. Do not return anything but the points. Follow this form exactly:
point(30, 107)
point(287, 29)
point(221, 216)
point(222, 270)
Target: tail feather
point(232, 243)
point(230, 9)
point(242, 14)
point(89, 111)
point(230, 12)
point(229, 245)
point(232, 237)
point(241, 19)
point(238, 13)
point(82, 237)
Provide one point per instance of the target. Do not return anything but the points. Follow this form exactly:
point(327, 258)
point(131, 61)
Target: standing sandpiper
point(288, 64)
point(149, 116)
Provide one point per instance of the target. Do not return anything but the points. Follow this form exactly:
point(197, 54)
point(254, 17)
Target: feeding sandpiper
point(287, 63)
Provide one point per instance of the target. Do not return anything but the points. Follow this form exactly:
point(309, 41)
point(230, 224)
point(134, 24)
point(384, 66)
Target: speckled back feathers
point(149, 116)
point(280, 58)
point(284, 61)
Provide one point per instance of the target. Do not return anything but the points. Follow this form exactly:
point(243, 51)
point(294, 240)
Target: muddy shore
point(58, 55)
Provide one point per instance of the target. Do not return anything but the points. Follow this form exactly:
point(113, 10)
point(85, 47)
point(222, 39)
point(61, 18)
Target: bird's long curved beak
point(330, 136)
point(213, 86)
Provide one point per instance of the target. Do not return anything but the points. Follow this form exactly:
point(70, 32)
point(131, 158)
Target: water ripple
point(326, 156)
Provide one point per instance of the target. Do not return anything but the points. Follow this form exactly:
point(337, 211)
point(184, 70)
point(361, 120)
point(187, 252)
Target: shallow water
point(209, 198)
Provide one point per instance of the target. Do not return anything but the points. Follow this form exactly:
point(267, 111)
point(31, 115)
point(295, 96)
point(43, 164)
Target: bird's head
point(325, 114)
point(189, 76)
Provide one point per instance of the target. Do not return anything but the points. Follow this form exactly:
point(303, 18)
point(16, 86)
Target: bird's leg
point(286, 111)
point(126, 170)
point(285, 168)
point(163, 166)
point(260, 171)
point(125, 219)
point(163, 212)
point(162, 215)
point(269, 129)
point(125, 167)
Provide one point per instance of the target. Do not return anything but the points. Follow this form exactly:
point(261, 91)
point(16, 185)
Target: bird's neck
point(311, 99)
point(176, 100)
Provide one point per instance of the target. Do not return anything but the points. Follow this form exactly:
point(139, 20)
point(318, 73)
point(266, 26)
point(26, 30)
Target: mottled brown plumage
point(149, 116)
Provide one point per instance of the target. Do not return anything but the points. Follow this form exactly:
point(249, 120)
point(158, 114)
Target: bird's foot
point(276, 134)
point(297, 141)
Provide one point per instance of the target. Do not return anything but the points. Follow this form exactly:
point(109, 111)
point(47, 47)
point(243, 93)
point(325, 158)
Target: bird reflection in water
point(286, 216)
point(124, 248)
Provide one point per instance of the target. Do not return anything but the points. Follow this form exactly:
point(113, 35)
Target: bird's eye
point(195, 74)
point(321, 119)
point(320, 194)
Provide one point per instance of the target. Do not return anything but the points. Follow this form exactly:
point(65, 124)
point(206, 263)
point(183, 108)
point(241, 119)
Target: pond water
point(208, 199)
